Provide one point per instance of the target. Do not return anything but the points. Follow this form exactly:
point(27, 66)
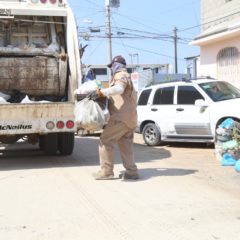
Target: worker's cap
point(118, 59)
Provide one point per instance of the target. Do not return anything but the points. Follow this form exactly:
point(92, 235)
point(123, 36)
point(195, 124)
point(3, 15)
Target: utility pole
point(175, 49)
point(131, 61)
point(109, 4)
point(108, 35)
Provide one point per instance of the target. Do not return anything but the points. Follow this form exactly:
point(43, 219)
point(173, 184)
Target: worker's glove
point(96, 94)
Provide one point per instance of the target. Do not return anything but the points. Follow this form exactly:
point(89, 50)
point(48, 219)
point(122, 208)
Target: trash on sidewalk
point(227, 144)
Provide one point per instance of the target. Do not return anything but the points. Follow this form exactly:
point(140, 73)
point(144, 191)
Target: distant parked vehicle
point(186, 111)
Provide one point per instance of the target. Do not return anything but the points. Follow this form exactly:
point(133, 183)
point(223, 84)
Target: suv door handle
point(154, 109)
point(180, 109)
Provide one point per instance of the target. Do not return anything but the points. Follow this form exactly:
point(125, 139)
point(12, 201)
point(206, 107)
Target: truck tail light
point(50, 125)
point(43, 1)
point(53, 1)
point(60, 124)
point(70, 124)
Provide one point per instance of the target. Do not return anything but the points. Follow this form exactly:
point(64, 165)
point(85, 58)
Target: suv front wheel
point(151, 134)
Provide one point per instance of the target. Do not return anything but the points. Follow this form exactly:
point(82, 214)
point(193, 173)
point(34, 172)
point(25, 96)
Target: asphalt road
point(183, 194)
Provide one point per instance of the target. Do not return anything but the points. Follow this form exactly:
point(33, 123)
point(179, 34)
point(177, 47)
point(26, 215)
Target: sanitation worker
point(120, 128)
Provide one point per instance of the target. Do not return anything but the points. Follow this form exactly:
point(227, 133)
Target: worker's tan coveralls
point(120, 128)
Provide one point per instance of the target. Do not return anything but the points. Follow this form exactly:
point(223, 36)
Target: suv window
point(143, 98)
point(164, 96)
point(188, 95)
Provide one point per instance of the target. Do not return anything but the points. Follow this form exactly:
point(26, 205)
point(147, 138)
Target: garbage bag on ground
point(237, 166)
point(232, 144)
point(228, 123)
point(89, 115)
point(227, 144)
point(228, 160)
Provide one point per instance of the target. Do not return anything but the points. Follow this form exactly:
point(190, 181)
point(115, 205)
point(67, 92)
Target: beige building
point(219, 40)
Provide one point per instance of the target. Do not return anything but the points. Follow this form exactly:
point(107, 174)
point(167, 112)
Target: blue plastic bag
point(237, 166)
point(228, 160)
point(227, 123)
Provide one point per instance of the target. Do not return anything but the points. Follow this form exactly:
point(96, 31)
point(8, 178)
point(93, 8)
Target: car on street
point(186, 110)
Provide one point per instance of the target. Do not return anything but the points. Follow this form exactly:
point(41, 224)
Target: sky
point(142, 31)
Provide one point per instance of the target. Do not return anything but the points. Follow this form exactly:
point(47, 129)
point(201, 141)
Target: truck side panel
point(30, 75)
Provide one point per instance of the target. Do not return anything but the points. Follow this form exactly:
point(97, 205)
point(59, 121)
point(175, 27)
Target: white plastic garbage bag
point(28, 100)
point(4, 96)
point(89, 115)
point(88, 87)
point(3, 101)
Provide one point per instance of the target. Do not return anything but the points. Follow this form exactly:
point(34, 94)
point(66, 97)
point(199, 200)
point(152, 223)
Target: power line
point(152, 52)
point(123, 42)
point(166, 11)
point(200, 25)
point(93, 3)
point(124, 35)
point(90, 15)
point(94, 50)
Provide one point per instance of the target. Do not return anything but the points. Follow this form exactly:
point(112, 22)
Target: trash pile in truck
point(227, 146)
point(19, 97)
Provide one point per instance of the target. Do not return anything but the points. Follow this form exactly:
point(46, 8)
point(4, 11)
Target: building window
point(228, 65)
point(100, 71)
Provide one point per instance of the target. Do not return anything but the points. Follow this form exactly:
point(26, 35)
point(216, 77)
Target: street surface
point(183, 194)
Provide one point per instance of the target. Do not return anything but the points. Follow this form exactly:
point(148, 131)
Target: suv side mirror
point(201, 103)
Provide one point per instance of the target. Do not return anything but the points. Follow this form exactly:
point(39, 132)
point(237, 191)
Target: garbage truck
point(40, 68)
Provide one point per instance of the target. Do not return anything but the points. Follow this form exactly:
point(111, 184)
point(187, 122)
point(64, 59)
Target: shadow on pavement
point(161, 172)
point(25, 156)
point(189, 145)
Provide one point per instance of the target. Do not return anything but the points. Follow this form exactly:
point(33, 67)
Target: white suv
point(186, 111)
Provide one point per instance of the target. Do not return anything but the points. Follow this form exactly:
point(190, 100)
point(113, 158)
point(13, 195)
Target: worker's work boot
point(127, 176)
point(100, 175)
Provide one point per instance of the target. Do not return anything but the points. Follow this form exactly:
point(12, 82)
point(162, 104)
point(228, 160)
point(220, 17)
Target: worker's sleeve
point(114, 90)
point(120, 83)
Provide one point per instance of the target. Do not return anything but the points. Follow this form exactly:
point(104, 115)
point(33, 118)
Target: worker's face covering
point(116, 67)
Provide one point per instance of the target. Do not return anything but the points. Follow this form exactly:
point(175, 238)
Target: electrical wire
point(94, 50)
point(153, 52)
point(93, 3)
point(150, 27)
point(125, 35)
point(200, 25)
point(123, 44)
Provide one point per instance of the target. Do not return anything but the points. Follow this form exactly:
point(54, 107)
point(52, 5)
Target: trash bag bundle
point(88, 87)
point(89, 115)
point(227, 145)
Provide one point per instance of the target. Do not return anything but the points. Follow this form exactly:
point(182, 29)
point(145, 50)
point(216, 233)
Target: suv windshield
point(219, 91)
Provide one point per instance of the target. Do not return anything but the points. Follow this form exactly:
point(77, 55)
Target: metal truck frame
point(40, 68)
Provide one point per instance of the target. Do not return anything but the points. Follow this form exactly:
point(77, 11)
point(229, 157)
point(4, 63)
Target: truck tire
point(65, 143)
point(151, 134)
point(50, 143)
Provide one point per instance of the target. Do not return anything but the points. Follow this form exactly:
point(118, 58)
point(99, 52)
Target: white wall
point(208, 61)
